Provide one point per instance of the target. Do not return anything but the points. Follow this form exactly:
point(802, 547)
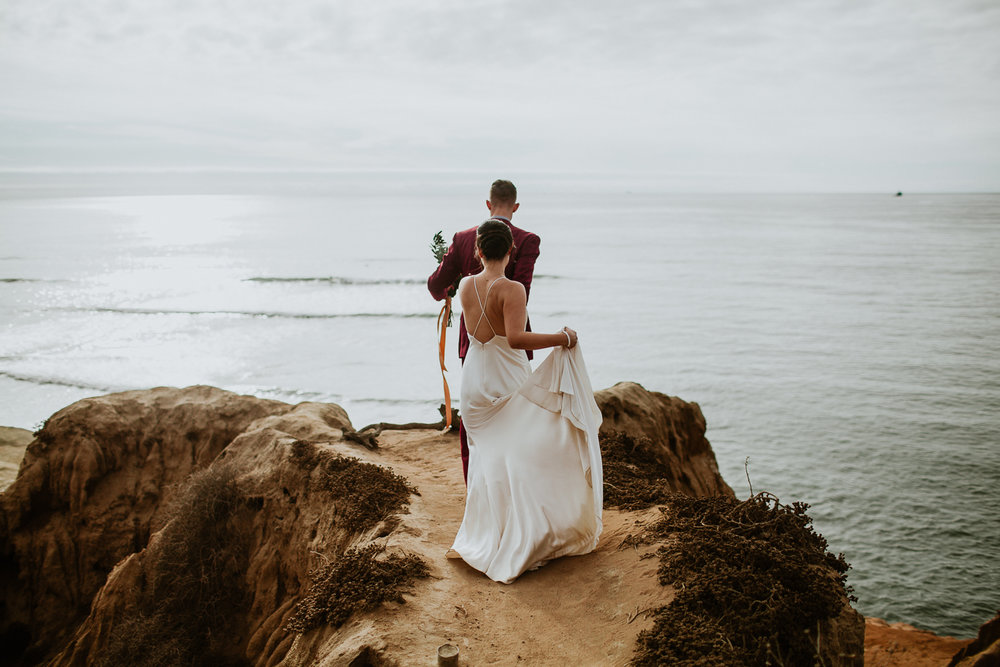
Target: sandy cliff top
point(93, 520)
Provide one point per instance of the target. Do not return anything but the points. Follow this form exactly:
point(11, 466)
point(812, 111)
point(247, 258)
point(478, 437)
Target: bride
point(535, 478)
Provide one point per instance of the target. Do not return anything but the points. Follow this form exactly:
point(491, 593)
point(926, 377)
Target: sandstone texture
point(91, 491)
point(984, 650)
point(13, 442)
point(676, 429)
point(97, 515)
point(902, 645)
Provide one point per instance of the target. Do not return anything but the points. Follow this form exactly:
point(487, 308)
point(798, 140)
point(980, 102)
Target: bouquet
point(439, 248)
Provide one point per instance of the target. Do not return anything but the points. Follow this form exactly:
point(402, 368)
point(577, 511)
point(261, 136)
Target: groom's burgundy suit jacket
point(460, 261)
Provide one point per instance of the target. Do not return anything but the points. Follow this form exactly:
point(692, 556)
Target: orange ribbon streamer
point(442, 325)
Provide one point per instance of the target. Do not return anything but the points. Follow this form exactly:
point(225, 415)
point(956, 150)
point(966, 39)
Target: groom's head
point(503, 198)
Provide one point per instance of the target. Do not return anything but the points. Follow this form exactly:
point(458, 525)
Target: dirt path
point(585, 610)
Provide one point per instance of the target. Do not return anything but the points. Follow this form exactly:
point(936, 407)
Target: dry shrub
point(634, 477)
point(363, 494)
point(355, 582)
point(752, 581)
point(194, 598)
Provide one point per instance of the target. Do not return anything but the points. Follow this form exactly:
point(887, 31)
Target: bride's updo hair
point(494, 240)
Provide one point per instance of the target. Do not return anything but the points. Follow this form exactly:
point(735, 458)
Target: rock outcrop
point(236, 501)
point(13, 442)
point(92, 489)
point(676, 429)
point(284, 516)
point(984, 650)
point(902, 645)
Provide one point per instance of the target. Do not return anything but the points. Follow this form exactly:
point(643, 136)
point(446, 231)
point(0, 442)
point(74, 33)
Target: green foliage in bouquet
point(439, 248)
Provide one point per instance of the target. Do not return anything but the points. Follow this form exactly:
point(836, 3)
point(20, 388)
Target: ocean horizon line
point(243, 313)
point(628, 182)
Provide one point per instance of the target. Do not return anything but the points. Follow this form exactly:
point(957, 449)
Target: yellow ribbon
point(442, 325)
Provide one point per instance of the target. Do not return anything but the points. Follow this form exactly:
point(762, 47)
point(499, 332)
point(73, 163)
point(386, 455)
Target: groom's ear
point(489, 206)
point(517, 205)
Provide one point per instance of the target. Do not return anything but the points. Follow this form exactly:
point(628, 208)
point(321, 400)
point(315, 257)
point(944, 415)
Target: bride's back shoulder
point(510, 287)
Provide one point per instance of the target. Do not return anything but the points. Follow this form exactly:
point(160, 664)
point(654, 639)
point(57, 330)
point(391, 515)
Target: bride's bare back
point(506, 313)
point(482, 290)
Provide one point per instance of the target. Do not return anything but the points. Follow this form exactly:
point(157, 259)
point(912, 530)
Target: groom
point(460, 261)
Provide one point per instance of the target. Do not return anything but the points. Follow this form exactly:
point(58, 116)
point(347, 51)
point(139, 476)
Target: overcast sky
point(729, 95)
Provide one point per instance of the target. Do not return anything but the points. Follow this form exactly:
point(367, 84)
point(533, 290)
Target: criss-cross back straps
point(482, 307)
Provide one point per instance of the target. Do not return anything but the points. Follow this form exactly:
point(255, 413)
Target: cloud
point(827, 92)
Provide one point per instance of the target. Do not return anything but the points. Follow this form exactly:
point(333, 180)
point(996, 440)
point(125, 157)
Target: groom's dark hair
point(494, 240)
point(503, 192)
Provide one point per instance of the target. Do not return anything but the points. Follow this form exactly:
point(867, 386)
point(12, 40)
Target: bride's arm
point(461, 291)
point(514, 316)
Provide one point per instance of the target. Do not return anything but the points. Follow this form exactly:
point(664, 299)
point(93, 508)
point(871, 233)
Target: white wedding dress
point(535, 479)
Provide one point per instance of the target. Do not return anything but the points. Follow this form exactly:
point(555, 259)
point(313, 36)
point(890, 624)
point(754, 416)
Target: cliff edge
point(676, 431)
point(194, 525)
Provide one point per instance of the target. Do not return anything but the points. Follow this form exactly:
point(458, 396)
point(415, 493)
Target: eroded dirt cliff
point(180, 525)
point(91, 490)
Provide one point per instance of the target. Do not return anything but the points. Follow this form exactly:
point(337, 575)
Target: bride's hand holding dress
point(535, 485)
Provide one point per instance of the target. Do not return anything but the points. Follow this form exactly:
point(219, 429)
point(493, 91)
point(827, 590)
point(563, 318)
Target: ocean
point(849, 345)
